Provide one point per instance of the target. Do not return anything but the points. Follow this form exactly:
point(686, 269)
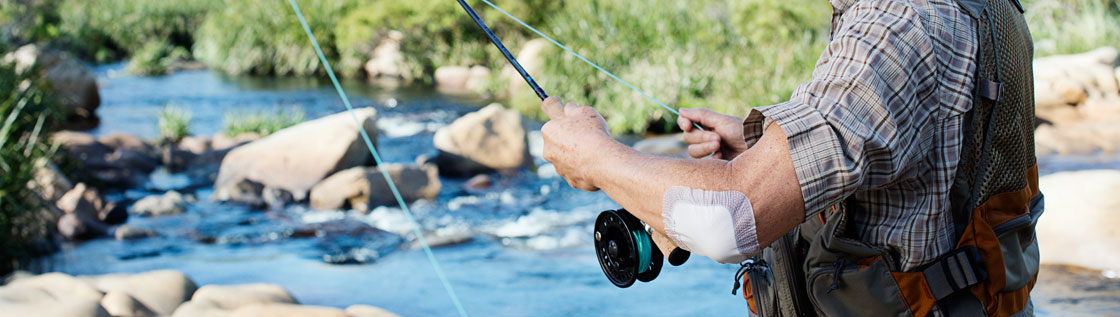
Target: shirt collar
point(839, 6)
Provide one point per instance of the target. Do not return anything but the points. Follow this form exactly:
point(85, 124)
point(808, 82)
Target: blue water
point(529, 251)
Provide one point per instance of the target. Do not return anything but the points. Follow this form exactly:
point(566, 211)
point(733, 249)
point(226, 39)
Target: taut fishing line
point(377, 158)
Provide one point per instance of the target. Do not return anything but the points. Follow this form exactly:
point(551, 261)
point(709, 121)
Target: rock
point(1077, 137)
point(170, 203)
point(480, 181)
point(104, 166)
point(387, 60)
point(127, 232)
point(280, 309)
point(363, 188)
point(193, 144)
point(121, 141)
point(368, 311)
point(175, 159)
point(221, 142)
point(296, 158)
point(71, 81)
point(113, 214)
point(121, 304)
point(353, 242)
point(531, 59)
point(462, 78)
point(1079, 226)
point(212, 300)
point(50, 294)
point(277, 198)
point(671, 145)
point(483, 141)
point(160, 291)
point(49, 181)
point(82, 208)
point(1083, 79)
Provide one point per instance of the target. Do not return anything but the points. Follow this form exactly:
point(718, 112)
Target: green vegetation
point(263, 123)
point(1073, 26)
point(174, 123)
point(723, 54)
point(27, 113)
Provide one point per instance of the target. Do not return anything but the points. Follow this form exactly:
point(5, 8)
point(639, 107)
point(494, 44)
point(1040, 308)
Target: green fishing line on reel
point(625, 250)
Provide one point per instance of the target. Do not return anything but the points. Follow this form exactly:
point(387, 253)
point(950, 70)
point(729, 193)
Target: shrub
point(174, 123)
point(1073, 26)
point(265, 37)
point(113, 29)
point(263, 123)
point(27, 115)
point(156, 57)
point(718, 54)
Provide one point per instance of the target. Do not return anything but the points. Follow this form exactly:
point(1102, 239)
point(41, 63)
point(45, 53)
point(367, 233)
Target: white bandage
point(718, 225)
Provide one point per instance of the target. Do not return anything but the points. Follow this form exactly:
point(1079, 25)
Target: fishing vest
point(821, 268)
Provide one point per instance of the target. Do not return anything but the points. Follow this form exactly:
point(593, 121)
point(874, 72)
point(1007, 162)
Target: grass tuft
point(263, 123)
point(174, 123)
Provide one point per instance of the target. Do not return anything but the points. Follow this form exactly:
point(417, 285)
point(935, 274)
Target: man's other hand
point(722, 134)
point(573, 137)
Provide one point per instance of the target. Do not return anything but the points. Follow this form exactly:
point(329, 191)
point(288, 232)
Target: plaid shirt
point(880, 122)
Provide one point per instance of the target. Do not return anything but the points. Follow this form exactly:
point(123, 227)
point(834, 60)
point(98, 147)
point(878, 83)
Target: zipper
point(784, 256)
point(1011, 225)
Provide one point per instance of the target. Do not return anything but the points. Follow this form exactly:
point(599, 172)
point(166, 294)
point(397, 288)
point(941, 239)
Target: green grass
point(107, 30)
point(174, 123)
point(1073, 26)
point(263, 123)
point(27, 114)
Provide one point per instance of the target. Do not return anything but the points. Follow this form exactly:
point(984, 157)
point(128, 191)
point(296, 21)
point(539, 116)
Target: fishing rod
point(505, 52)
point(627, 248)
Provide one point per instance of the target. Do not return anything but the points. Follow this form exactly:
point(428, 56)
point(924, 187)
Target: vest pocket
point(1018, 245)
point(855, 289)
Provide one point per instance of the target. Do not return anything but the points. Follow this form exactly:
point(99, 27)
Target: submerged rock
point(483, 141)
point(480, 181)
point(170, 203)
point(363, 188)
point(1079, 226)
point(296, 158)
point(127, 232)
point(350, 242)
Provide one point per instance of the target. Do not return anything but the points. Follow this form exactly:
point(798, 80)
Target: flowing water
point(525, 242)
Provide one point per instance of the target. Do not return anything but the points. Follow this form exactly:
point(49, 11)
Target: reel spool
point(624, 249)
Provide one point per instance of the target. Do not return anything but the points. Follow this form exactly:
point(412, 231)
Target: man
point(880, 128)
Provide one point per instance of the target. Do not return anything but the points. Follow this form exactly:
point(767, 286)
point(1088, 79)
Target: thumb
point(553, 107)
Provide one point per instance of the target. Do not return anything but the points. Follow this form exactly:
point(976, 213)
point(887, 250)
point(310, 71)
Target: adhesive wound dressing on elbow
point(716, 224)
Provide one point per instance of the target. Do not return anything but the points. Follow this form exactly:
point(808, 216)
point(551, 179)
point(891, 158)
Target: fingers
point(684, 123)
point(553, 107)
point(702, 150)
point(571, 109)
point(698, 136)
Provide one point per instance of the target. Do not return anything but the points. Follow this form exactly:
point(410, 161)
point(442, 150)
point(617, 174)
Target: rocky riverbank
point(155, 293)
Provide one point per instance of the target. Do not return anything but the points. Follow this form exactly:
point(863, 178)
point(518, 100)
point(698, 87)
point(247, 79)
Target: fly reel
point(625, 249)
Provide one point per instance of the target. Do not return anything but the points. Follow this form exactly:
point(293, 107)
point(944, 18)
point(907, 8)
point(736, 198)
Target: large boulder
point(170, 203)
point(1086, 81)
point(456, 79)
point(483, 141)
point(159, 291)
point(386, 60)
point(72, 82)
point(121, 304)
point(1079, 226)
point(363, 188)
point(51, 294)
point(220, 300)
point(296, 158)
point(531, 59)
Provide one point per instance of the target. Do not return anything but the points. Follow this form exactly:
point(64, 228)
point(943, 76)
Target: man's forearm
point(764, 174)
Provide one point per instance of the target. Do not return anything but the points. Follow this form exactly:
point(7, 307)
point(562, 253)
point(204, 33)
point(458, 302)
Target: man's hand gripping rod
point(676, 255)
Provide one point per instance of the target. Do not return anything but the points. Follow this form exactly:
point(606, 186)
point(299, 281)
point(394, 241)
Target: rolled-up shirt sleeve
point(865, 118)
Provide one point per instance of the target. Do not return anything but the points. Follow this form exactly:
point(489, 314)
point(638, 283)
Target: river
point(529, 251)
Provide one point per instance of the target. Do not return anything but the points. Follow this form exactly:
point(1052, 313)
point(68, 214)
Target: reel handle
point(672, 252)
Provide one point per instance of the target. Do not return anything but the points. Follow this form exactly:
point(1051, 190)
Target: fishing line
point(585, 60)
point(377, 158)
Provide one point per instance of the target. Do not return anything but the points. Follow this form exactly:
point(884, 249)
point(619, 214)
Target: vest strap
point(990, 89)
point(955, 271)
